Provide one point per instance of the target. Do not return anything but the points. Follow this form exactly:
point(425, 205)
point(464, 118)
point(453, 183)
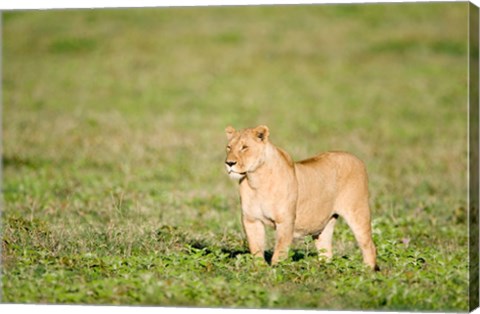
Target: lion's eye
point(244, 147)
point(228, 147)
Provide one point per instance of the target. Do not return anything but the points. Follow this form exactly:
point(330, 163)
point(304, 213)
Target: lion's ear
point(262, 132)
point(229, 131)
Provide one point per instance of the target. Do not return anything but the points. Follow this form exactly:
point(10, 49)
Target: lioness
point(297, 199)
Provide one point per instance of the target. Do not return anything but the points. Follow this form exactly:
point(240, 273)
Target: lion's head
point(245, 150)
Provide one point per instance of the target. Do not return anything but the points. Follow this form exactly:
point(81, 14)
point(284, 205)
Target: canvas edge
point(473, 198)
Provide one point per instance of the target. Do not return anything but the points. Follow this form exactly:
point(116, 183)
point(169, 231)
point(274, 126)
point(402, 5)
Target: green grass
point(113, 147)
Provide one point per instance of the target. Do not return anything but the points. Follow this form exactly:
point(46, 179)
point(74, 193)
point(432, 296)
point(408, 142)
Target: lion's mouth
point(236, 175)
point(236, 172)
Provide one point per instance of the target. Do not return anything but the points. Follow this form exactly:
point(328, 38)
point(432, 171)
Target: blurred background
point(113, 122)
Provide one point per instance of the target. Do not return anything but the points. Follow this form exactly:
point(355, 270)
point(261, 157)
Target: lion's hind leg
point(360, 224)
point(323, 241)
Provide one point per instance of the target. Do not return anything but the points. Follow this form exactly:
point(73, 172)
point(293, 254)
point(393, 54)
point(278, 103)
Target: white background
point(54, 4)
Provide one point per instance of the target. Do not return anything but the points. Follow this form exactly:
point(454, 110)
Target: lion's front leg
point(255, 231)
point(283, 240)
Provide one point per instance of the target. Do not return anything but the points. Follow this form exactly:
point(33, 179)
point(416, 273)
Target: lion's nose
point(231, 163)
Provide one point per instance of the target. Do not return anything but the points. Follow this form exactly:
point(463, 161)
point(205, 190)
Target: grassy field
point(113, 147)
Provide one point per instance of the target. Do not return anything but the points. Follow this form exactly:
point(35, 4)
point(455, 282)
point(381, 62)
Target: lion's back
point(335, 162)
point(330, 173)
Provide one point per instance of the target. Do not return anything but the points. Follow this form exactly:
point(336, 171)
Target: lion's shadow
point(296, 255)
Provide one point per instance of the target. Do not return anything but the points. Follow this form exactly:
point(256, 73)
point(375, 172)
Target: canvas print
point(267, 156)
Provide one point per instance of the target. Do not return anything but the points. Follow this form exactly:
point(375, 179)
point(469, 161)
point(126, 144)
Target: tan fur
point(297, 199)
